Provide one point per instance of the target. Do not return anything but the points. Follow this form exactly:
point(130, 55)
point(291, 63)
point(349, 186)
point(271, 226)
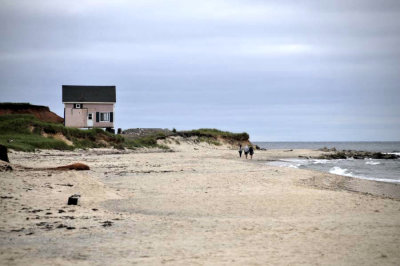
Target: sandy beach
point(198, 205)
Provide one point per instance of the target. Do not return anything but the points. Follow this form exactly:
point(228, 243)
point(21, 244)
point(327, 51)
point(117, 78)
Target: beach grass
point(31, 142)
point(25, 132)
point(212, 135)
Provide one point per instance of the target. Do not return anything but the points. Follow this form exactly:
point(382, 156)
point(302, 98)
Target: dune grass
point(26, 133)
point(27, 142)
point(212, 134)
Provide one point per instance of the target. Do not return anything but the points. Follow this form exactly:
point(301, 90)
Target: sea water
point(372, 169)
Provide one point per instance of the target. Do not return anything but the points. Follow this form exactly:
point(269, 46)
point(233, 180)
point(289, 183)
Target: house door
point(90, 120)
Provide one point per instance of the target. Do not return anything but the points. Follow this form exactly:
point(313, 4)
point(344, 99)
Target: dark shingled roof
point(79, 94)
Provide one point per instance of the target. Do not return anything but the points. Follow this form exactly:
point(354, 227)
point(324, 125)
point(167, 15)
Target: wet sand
point(199, 205)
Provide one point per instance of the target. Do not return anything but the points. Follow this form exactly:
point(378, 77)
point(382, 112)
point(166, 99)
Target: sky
point(279, 70)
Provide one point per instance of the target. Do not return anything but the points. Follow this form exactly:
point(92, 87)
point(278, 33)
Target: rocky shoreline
point(346, 154)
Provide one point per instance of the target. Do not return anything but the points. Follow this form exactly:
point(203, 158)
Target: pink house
point(89, 106)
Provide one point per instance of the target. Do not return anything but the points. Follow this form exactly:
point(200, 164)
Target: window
point(77, 105)
point(90, 116)
point(104, 117)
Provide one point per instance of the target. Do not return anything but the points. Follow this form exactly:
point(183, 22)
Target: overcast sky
point(279, 70)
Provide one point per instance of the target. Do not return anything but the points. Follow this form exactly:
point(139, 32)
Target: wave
point(340, 171)
point(326, 166)
point(320, 161)
point(285, 164)
point(370, 162)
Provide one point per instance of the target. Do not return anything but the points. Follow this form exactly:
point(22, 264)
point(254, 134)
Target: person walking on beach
point(246, 150)
point(251, 151)
point(240, 150)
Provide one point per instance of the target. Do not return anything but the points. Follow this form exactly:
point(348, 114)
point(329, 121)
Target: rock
point(61, 226)
point(73, 200)
point(325, 149)
point(358, 155)
point(107, 223)
point(3, 154)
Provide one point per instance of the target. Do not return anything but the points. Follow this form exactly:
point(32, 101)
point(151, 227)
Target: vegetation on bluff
point(212, 134)
point(209, 135)
point(26, 133)
point(42, 113)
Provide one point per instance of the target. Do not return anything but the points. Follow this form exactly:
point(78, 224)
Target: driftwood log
point(74, 166)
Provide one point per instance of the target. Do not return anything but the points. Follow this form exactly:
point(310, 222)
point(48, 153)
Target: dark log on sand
point(74, 166)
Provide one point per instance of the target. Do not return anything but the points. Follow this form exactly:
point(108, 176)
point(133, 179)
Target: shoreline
point(306, 162)
point(383, 188)
point(200, 204)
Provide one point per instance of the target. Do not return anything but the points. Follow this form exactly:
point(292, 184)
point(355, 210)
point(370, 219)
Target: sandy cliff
point(41, 112)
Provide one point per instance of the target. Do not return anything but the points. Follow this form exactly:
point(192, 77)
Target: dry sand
point(199, 205)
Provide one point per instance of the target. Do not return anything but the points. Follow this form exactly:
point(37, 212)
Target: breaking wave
point(340, 171)
point(371, 162)
point(320, 161)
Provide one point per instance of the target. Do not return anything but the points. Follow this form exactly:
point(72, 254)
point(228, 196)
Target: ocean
point(372, 169)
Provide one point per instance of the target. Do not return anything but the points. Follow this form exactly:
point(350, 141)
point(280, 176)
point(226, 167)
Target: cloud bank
point(286, 70)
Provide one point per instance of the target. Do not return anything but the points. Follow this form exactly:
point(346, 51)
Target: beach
point(198, 205)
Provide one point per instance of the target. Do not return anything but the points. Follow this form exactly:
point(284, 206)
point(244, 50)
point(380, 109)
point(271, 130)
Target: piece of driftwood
point(74, 166)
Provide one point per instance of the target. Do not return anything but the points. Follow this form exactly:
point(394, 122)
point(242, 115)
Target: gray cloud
point(287, 70)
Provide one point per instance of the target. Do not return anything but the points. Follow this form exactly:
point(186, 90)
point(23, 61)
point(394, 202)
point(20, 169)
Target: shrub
point(211, 135)
point(26, 134)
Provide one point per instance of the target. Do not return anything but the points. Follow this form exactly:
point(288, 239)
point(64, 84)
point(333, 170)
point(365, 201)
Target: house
point(89, 106)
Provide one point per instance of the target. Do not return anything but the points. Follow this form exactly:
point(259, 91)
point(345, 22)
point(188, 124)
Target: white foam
point(340, 171)
point(371, 162)
point(318, 161)
point(287, 163)
point(395, 153)
point(297, 161)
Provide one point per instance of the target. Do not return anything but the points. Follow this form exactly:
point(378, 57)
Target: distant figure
point(246, 150)
point(240, 150)
point(251, 151)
